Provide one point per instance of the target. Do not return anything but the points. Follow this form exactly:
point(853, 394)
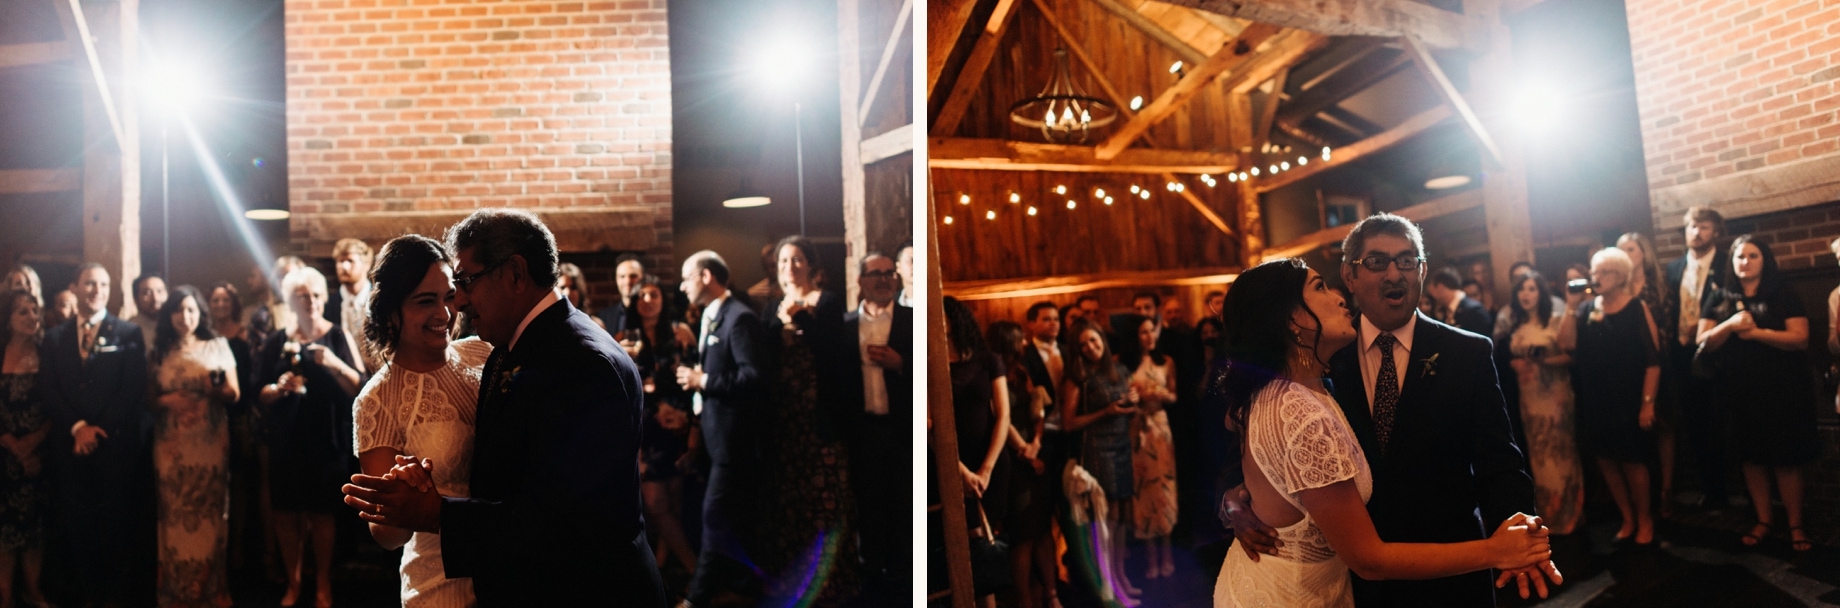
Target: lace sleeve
point(1300, 442)
point(376, 421)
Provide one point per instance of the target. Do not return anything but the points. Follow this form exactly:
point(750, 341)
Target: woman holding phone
point(195, 382)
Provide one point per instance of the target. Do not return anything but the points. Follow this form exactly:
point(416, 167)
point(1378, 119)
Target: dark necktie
point(1386, 390)
point(488, 382)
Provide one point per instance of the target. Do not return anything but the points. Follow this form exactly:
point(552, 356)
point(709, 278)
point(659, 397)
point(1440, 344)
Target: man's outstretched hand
point(1249, 533)
point(392, 501)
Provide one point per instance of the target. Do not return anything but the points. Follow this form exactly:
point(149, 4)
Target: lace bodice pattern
point(1301, 441)
point(428, 415)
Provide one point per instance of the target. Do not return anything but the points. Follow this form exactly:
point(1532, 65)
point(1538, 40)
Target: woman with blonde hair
point(1615, 374)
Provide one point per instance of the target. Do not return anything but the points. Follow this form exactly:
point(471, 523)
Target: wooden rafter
point(888, 145)
point(1201, 206)
point(1189, 54)
point(1429, 67)
point(1231, 56)
point(1032, 288)
point(1461, 201)
point(881, 69)
point(946, 20)
point(70, 13)
point(1074, 48)
point(32, 53)
point(1006, 155)
point(1333, 91)
point(1349, 153)
point(1437, 27)
point(22, 181)
point(972, 76)
point(1261, 132)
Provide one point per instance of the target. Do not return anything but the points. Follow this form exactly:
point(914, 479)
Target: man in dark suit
point(1690, 278)
point(626, 274)
point(1445, 466)
point(93, 374)
point(554, 518)
point(1451, 306)
point(731, 385)
point(879, 338)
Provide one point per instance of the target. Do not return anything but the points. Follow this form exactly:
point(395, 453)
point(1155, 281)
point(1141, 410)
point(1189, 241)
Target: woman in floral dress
point(194, 377)
point(22, 433)
point(1153, 465)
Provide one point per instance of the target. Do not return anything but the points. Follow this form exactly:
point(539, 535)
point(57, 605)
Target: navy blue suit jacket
point(736, 380)
point(554, 517)
point(900, 382)
point(107, 391)
point(1451, 471)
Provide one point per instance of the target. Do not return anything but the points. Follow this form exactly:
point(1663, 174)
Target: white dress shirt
point(1051, 358)
point(702, 340)
point(873, 330)
point(1370, 356)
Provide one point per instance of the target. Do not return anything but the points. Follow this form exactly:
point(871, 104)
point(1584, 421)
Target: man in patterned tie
point(1691, 277)
point(1423, 399)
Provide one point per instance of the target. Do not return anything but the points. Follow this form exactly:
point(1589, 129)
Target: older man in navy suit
point(730, 383)
point(554, 518)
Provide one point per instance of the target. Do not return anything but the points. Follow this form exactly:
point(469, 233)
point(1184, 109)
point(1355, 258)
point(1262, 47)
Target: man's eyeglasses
point(879, 274)
point(465, 283)
point(1406, 262)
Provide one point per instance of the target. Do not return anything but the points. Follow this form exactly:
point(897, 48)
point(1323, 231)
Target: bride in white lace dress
point(1304, 468)
point(421, 402)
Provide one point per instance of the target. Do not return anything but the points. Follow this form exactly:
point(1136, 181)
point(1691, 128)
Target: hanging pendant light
point(1060, 111)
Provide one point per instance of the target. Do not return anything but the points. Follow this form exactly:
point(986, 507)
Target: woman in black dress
point(980, 412)
point(1031, 495)
point(22, 433)
point(667, 434)
point(1759, 330)
point(310, 375)
point(1616, 370)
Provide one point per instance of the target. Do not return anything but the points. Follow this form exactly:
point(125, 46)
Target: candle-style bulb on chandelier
point(1063, 113)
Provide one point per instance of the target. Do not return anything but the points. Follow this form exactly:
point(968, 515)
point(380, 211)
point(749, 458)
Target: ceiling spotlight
point(1233, 177)
point(1061, 189)
point(1031, 211)
point(948, 220)
point(1014, 198)
point(1071, 204)
point(1447, 182)
point(990, 215)
point(1098, 193)
point(964, 199)
point(1137, 103)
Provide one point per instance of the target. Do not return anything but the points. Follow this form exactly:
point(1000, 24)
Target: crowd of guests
point(146, 451)
point(1082, 433)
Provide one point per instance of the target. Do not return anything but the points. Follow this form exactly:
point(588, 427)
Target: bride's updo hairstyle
point(1258, 338)
point(400, 268)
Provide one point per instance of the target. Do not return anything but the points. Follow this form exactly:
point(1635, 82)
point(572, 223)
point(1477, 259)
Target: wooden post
point(1251, 221)
point(1504, 191)
point(111, 144)
point(849, 84)
point(944, 434)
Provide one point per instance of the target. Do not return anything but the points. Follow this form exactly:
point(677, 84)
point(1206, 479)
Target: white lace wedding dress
point(430, 416)
point(1300, 440)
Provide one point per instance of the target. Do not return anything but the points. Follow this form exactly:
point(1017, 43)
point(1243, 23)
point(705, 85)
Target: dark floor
point(1698, 561)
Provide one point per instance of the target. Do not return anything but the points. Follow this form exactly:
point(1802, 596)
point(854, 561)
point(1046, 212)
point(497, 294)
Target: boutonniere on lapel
point(505, 377)
point(1429, 365)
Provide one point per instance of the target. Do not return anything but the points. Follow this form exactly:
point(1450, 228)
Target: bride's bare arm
point(376, 462)
point(1340, 514)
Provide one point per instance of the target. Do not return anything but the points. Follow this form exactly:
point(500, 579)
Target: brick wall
point(425, 108)
point(1729, 86)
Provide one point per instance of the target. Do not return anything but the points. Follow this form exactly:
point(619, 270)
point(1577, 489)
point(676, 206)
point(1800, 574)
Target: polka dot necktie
point(1386, 390)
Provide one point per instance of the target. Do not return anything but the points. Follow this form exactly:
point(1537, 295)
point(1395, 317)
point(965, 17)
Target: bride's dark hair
point(1258, 337)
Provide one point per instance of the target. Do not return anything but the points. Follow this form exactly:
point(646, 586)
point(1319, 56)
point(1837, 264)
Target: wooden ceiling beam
point(946, 21)
point(881, 69)
point(1268, 115)
point(1034, 288)
point(76, 25)
point(1347, 154)
point(1437, 27)
point(1429, 67)
point(1189, 54)
point(1439, 207)
point(25, 181)
point(1201, 206)
point(1006, 155)
point(33, 53)
point(972, 75)
point(1230, 56)
point(1328, 93)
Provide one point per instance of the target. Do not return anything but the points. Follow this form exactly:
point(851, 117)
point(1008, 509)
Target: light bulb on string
point(1031, 211)
point(1286, 165)
point(1134, 188)
point(1098, 193)
point(948, 220)
point(1061, 189)
point(964, 199)
point(1255, 171)
point(1108, 200)
point(1303, 160)
point(1144, 194)
point(1232, 177)
point(990, 215)
point(1014, 198)
point(1071, 204)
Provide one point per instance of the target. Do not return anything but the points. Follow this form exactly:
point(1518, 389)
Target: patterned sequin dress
point(812, 539)
point(22, 515)
point(191, 449)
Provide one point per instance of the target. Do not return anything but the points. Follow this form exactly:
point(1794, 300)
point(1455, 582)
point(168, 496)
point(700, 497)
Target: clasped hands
point(1524, 534)
point(404, 497)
